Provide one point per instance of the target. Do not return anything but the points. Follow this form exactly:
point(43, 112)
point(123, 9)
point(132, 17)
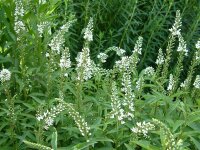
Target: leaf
point(80, 146)
point(146, 144)
point(129, 147)
point(196, 143)
point(54, 139)
point(177, 124)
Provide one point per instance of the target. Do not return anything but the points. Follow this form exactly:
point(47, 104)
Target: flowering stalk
point(79, 120)
point(175, 31)
point(49, 115)
point(159, 62)
point(169, 142)
point(85, 66)
point(128, 101)
point(65, 64)
point(37, 146)
point(42, 27)
point(195, 62)
point(58, 40)
point(171, 84)
point(5, 76)
point(196, 89)
point(119, 51)
point(182, 49)
point(19, 13)
point(117, 110)
point(139, 85)
point(142, 128)
point(134, 58)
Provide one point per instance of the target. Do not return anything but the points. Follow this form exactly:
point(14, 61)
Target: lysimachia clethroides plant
point(120, 107)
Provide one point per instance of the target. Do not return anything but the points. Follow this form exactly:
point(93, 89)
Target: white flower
point(149, 71)
point(19, 26)
point(48, 116)
point(58, 40)
point(129, 96)
point(42, 2)
point(184, 84)
point(160, 59)
point(19, 13)
point(47, 55)
point(197, 53)
point(138, 45)
point(197, 82)
point(119, 51)
point(123, 64)
point(102, 57)
point(41, 27)
point(65, 61)
point(117, 110)
point(182, 45)
point(19, 9)
point(142, 128)
point(5, 75)
point(171, 83)
point(175, 30)
point(198, 45)
point(88, 31)
point(140, 84)
point(85, 65)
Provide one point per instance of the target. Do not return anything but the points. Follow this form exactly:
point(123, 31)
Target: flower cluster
point(140, 84)
point(19, 13)
point(49, 115)
point(182, 45)
point(175, 30)
point(84, 65)
point(171, 83)
point(119, 51)
point(169, 139)
point(134, 58)
point(123, 64)
point(197, 54)
point(138, 46)
point(184, 84)
point(197, 45)
point(79, 120)
point(117, 110)
point(197, 82)
point(88, 36)
point(160, 59)
point(5, 75)
point(143, 128)
point(42, 2)
point(128, 96)
point(42, 26)
point(65, 61)
point(102, 57)
point(149, 71)
point(58, 40)
point(37, 146)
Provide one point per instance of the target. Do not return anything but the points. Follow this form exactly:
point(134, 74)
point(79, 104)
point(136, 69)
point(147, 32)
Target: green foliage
point(57, 91)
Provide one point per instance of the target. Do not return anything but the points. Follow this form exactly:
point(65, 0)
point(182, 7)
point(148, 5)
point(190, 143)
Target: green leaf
point(54, 139)
point(146, 144)
point(196, 143)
